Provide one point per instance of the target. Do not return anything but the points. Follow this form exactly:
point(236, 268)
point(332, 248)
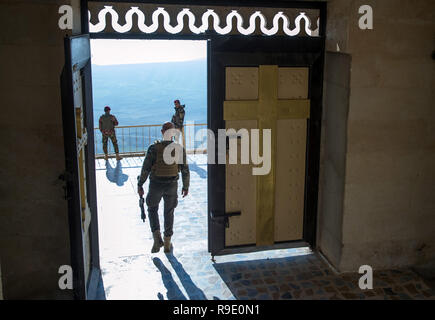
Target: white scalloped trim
point(101, 25)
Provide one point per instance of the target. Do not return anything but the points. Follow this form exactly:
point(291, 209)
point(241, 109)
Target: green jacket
point(107, 123)
point(150, 160)
point(178, 117)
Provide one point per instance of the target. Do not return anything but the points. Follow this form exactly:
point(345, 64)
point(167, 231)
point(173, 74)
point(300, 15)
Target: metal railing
point(135, 140)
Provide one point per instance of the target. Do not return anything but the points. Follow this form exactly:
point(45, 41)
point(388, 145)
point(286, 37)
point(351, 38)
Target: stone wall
point(34, 234)
point(333, 154)
point(1, 283)
point(389, 209)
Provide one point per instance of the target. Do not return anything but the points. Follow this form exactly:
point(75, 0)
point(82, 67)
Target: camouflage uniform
point(107, 125)
point(163, 183)
point(178, 121)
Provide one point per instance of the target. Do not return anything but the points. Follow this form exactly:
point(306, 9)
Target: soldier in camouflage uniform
point(107, 125)
point(163, 183)
point(178, 120)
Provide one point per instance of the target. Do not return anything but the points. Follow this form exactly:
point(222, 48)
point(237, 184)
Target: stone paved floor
point(130, 271)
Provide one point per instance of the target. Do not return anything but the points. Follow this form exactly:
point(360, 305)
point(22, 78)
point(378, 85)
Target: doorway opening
point(140, 80)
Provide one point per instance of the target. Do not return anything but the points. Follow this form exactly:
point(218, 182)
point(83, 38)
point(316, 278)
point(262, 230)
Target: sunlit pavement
point(130, 271)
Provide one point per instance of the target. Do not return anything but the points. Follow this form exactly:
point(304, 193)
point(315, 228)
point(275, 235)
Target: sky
point(110, 52)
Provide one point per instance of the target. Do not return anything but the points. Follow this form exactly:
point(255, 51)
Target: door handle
point(223, 217)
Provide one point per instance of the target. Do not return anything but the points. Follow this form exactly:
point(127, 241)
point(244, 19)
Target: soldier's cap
point(176, 101)
point(106, 108)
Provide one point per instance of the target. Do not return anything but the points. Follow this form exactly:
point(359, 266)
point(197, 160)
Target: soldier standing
point(178, 120)
point(107, 125)
point(163, 183)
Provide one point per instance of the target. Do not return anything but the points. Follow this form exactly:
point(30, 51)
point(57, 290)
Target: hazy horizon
point(128, 51)
point(143, 93)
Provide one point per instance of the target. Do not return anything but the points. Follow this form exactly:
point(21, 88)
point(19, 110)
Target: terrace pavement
point(130, 271)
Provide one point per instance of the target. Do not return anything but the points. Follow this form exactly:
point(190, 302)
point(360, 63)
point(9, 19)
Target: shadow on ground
point(200, 171)
point(100, 294)
point(173, 291)
point(115, 175)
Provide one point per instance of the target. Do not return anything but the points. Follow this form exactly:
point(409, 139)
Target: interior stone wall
point(389, 209)
point(34, 234)
point(333, 154)
point(1, 283)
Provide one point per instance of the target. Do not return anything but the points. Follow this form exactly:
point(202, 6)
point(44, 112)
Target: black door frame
point(77, 57)
point(81, 60)
point(314, 45)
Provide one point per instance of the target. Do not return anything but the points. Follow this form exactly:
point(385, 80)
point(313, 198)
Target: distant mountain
point(144, 93)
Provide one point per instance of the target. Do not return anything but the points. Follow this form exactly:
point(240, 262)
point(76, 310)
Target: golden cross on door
point(266, 110)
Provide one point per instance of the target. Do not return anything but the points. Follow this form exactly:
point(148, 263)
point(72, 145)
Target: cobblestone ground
point(130, 271)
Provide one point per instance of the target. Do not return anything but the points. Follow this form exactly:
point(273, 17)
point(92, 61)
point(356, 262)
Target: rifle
point(142, 209)
point(141, 205)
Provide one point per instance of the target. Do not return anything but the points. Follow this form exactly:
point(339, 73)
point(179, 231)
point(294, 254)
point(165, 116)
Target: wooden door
point(263, 85)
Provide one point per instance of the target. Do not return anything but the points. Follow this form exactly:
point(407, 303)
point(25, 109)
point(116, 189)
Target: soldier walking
point(178, 120)
point(107, 125)
point(163, 183)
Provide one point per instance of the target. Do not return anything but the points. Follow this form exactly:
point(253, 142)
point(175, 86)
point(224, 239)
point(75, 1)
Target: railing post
point(149, 136)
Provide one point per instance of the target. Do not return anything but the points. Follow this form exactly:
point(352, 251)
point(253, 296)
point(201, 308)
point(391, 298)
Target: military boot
point(158, 242)
point(168, 244)
point(118, 157)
